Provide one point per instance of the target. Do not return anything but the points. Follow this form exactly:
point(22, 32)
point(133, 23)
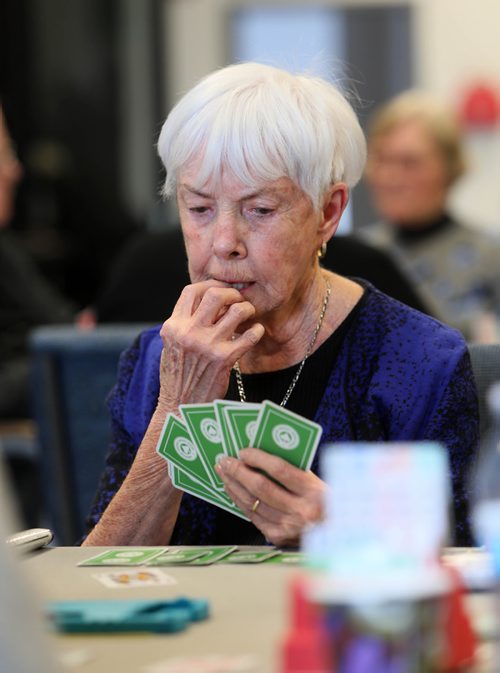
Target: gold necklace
point(237, 370)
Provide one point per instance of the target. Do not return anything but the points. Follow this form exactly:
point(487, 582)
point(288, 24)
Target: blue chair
point(485, 360)
point(73, 372)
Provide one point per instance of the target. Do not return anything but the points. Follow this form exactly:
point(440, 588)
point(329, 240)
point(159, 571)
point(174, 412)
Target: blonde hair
point(263, 123)
point(436, 118)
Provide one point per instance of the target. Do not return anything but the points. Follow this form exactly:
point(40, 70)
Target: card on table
point(177, 446)
point(213, 555)
point(193, 556)
point(131, 579)
point(287, 435)
point(249, 556)
point(123, 557)
point(203, 426)
point(177, 557)
point(289, 558)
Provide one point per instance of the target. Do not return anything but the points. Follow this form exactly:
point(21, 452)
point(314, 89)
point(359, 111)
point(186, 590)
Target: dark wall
point(61, 70)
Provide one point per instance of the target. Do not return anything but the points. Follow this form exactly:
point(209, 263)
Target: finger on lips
point(192, 295)
point(223, 307)
point(234, 315)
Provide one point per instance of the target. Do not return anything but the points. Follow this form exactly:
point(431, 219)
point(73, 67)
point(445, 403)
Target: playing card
point(251, 556)
point(287, 435)
point(242, 423)
point(293, 558)
point(176, 445)
point(177, 557)
point(193, 556)
point(226, 435)
point(225, 427)
point(202, 423)
point(131, 579)
point(123, 557)
point(185, 482)
point(212, 555)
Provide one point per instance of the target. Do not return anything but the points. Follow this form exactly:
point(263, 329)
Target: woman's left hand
point(280, 512)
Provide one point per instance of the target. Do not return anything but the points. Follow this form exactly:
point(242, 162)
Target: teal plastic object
point(159, 616)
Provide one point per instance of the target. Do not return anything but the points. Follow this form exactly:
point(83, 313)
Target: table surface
point(248, 603)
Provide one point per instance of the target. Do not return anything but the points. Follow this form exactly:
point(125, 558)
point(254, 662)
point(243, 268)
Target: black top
point(26, 301)
point(311, 384)
point(26, 298)
point(417, 234)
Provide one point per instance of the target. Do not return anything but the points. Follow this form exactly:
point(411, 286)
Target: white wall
point(456, 42)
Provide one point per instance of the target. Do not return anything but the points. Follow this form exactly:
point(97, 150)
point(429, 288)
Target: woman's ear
point(334, 204)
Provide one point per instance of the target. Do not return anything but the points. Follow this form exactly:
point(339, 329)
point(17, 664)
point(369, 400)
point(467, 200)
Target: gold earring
point(322, 251)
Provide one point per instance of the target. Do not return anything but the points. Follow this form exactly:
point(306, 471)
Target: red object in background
point(460, 641)
point(480, 106)
point(306, 647)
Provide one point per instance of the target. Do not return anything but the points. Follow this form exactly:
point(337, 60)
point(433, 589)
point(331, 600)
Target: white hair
point(262, 123)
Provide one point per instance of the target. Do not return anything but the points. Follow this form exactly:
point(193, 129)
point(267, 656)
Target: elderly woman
point(261, 162)
point(415, 158)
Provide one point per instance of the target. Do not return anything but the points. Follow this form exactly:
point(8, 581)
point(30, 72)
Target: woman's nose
point(228, 236)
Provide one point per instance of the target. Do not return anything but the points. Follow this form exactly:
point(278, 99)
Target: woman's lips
point(237, 284)
point(240, 286)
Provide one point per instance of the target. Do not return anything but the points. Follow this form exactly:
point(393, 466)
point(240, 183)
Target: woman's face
point(262, 240)
point(407, 175)
point(10, 174)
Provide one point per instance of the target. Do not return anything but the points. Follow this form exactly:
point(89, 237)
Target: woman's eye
point(261, 212)
point(198, 210)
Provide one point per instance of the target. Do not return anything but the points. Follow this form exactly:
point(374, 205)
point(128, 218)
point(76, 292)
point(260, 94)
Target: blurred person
point(26, 298)
point(415, 157)
point(261, 162)
point(26, 301)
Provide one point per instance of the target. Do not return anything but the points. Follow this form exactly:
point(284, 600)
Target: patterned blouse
point(397, 374)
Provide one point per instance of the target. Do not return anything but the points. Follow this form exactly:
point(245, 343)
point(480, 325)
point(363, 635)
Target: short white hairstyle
point(262, 123)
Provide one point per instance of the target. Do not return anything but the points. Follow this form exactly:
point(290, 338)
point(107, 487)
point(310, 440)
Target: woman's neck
point(286, 342)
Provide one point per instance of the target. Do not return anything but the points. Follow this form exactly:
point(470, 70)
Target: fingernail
point(223, 463)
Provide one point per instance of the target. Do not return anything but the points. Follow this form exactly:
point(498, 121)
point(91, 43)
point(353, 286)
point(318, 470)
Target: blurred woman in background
point(415, 157)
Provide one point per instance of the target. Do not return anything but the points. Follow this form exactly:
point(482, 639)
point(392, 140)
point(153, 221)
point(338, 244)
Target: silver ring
point(255, 505)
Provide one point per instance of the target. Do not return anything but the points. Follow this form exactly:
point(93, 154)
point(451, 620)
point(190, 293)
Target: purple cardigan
point(398, 375)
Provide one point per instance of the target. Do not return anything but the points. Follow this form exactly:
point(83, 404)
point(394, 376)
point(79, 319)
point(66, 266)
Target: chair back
point(73, 372)
point(485, 359)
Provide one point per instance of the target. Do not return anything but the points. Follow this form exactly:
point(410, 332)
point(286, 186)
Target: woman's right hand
point(199, 344)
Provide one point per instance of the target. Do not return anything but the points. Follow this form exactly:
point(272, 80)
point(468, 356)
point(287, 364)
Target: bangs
point(242, 134)
point(262, 124)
